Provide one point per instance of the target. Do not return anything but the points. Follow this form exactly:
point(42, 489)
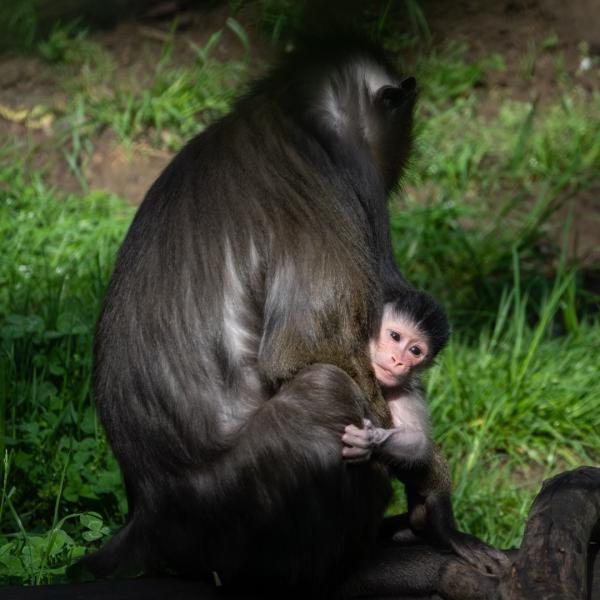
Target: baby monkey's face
point(400, 347)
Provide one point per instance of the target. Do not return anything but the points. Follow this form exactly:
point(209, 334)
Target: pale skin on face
point(395, 353)
point(400, 347)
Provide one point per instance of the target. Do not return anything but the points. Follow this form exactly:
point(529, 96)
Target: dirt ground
point(512, 28)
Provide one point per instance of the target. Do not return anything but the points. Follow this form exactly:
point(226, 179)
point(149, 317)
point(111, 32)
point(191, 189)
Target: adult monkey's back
point(231, 350)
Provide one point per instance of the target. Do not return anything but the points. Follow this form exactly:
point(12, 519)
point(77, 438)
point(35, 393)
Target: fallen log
point(557, 557)
point(558, 560)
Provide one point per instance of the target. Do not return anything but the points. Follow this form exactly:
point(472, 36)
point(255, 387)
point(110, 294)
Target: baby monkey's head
point(414, 328)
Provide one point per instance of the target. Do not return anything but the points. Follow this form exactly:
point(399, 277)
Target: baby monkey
point(414, 328)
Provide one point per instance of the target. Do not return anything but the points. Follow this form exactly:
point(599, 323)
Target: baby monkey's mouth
point(387, 372)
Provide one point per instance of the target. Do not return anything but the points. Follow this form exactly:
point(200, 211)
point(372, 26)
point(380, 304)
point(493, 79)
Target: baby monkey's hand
point(361, 443)
point(402, 445)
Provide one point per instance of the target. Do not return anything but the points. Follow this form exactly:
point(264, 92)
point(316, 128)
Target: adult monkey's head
point(351, 97)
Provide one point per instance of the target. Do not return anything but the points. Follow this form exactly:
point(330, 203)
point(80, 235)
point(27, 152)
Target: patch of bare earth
point(125, 171)
point(33, 98)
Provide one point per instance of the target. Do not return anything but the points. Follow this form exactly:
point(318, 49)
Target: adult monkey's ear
point(393, 96)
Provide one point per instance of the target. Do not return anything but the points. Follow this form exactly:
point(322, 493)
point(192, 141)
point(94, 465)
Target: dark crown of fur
point(426, 313)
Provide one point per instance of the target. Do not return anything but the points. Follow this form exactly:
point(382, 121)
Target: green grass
point(174, 103)
point(515, 396)
point(57, 257)
point(482, 186)
point(517, 405)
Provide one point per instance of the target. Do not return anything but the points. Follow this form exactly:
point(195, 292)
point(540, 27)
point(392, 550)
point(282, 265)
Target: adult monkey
point(231, 349)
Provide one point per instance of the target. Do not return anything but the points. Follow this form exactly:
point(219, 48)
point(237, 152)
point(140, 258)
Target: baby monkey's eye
point(395, 336)
point(415, 351)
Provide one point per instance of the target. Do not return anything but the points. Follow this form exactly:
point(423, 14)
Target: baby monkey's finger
point(360, 439)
